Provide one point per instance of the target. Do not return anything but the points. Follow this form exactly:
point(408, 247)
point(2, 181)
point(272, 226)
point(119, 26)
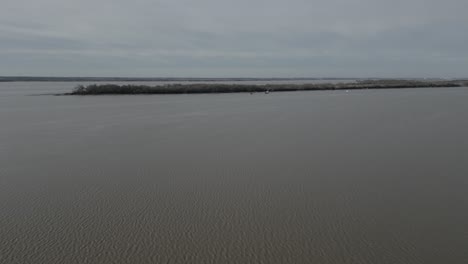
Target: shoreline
point(163, 79)
point(206, 88)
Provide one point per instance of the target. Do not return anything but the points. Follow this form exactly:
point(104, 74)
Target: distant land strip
point(199, 88)
point(149, 79)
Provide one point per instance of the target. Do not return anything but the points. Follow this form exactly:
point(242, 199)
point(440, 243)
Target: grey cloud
point(425, 38)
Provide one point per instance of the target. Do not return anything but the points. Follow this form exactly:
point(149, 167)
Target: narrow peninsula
point(199, 88)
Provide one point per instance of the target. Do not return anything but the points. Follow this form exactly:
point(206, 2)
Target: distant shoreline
point(200, 88)
point(152, 79)
point(198, 79)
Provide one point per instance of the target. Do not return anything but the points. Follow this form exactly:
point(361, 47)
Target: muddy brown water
point(371, 176)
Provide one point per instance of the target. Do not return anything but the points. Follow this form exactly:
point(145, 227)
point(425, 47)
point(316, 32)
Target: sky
point(236, 38)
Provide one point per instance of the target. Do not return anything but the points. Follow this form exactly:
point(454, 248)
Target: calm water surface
point(304, 177)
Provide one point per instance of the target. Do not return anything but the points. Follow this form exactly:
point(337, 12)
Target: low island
point(198, 88)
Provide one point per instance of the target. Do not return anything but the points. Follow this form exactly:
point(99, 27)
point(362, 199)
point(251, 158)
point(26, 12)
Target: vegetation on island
point(194, 88)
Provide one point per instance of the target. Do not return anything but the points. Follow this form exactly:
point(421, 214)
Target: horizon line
point(36, 77)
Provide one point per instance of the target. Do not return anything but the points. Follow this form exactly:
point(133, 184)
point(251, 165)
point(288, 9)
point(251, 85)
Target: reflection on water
point(303, 177)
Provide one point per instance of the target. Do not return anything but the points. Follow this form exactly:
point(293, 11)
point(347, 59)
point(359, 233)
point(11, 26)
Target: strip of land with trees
point(198, 88)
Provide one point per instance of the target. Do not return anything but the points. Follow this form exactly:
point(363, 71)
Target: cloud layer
point(243, 38)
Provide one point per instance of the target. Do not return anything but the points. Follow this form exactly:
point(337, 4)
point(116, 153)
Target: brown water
point(304, 177)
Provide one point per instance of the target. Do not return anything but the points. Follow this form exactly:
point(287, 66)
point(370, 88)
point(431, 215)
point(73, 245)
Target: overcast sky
point(235, 38)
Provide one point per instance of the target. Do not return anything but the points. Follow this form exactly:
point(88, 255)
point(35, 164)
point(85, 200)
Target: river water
point(369, 176)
